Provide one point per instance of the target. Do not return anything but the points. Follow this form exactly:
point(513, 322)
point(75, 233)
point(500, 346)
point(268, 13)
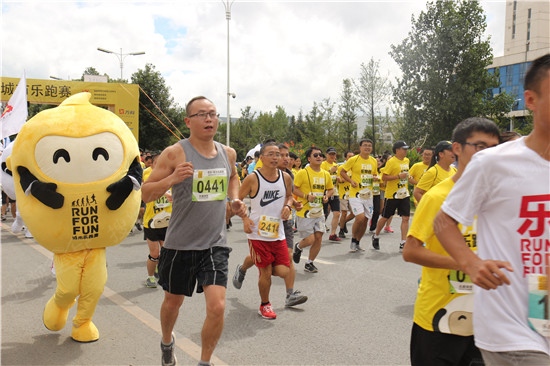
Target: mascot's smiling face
point(76, 143)
point(79, 150)
point(80, 159)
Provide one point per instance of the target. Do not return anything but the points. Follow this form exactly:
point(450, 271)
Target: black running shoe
point(296, 254)
point(376, 243)
point(310, 267)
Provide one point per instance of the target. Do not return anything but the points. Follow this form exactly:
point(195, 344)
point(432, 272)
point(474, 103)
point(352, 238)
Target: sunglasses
point(316, 155)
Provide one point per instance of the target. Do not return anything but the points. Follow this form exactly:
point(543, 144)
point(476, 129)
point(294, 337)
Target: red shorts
point(265, 253)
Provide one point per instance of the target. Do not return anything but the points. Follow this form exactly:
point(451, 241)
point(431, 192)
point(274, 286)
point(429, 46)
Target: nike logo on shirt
point(269, 197)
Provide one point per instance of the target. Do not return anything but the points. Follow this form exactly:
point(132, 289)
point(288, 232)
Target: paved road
point(359, 310)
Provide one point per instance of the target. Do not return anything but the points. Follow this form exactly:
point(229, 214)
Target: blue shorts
point(181, 270)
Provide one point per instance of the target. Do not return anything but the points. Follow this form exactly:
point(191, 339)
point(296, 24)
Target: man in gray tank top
point(202, 175)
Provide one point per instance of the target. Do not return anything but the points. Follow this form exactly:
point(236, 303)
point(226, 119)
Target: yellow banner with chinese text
point(121, 99)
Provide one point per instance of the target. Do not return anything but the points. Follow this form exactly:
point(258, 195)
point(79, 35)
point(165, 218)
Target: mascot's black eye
point(100, 151)
point(61, 153)
point(462, 317)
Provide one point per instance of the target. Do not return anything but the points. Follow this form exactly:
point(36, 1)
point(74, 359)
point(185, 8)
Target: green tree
point(242, 138)
point(34, 109)
point(292, 133)
point(264, 128)
point(372, 90)
point(347, 113)
point(272, 125)
point(280, 124)
point(313, 133)
point(497, 107)
point(443, 62)
point(299, 127)
point(160, 120)
point(330, 124)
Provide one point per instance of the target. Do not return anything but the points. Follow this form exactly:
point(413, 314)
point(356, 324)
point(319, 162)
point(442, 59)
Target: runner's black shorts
point(6, 199)
point(334, 204)
point(435, 348)
point(181, 270)
point(402, 205)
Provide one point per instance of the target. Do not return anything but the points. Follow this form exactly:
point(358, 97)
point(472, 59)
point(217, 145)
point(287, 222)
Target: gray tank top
point(197, 221)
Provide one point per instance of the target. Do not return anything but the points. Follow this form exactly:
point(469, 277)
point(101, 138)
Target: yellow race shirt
point(417, 170)
point(333, 176)
point(444, 301)
point(397, 188)
point(433, 176)
point(363, 172)
point(310, 181)
point(382, 183)
point(343, 188)
point(146, 173)
point(157, 213)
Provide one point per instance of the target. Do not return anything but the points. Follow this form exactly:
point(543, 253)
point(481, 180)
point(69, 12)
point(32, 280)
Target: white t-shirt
point(508, 187)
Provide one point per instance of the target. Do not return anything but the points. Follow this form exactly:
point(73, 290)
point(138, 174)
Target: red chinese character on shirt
point(539, 212)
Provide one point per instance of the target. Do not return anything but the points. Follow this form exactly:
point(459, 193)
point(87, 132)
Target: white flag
point(15, 113)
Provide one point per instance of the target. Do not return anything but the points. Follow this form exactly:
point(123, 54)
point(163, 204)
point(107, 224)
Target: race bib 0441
point(209, 185)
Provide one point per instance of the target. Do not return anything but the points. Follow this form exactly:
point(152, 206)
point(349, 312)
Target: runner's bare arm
point(289, 200)
point(170, 168)
point(415, 252)
point(347, 178)
point(249, 186)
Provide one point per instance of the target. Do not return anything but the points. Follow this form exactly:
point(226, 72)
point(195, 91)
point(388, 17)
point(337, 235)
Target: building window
point(509, 75)
point(514, 20)
point(522, 70)
point(529, 24)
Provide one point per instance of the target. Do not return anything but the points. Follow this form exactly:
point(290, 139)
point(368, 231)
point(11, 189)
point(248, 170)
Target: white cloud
point(281, 53)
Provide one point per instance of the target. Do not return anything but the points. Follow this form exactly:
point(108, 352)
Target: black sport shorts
point(402, 205)
point(181, 270)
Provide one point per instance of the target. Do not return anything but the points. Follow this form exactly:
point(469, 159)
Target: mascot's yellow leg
point(68, 268)
point(54, 317)
point(93, 279)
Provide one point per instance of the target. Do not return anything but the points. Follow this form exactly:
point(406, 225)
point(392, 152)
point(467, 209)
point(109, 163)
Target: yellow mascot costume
point(77, 178)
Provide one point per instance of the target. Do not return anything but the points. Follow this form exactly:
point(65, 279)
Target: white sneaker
point(17, 225)
point(28, 234)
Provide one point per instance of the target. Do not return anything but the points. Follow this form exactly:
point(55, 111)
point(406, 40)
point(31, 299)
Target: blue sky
point(171, 33)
